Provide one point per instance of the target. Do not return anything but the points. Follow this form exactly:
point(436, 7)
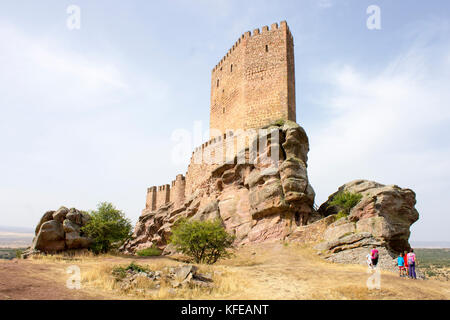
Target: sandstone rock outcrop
point(258, 201)
point(60, 230)
point(382, 218)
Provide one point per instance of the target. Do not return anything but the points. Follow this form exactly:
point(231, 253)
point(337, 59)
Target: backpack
point(374, 254)
point(411, 259)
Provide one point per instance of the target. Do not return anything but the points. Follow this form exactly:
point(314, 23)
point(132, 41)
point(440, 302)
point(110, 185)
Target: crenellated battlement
point(158, 196)
point(247, 35)
point(253, 84)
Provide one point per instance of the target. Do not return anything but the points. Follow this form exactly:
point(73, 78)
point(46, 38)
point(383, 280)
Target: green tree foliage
point(345, 201)
point(205, 241)
point(108, 228)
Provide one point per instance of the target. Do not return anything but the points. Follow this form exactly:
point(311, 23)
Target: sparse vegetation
point(435, 263)
point(205, 241)
point(341, 214)
point(345, 201)
point(120, 272)
point(149, 252)
point(19, 253)
point(296, 272)
point(108, 227)
point(10, 253)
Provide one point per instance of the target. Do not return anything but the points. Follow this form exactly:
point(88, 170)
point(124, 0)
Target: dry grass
point(265, 271)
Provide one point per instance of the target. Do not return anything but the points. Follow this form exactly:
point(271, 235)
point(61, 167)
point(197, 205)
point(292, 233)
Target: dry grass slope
point(269, 271)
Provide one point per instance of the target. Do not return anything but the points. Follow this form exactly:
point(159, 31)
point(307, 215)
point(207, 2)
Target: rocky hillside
point(256, 202)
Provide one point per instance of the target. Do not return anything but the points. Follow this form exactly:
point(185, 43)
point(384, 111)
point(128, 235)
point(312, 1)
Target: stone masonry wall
point(254, 83)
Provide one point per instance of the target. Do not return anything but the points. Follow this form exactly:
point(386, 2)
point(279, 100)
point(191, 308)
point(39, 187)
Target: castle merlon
point(274, 26)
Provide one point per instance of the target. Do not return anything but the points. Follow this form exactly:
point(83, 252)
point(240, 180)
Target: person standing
point(374, 254)
point(405, 258)
point(401, 265)
point(412, 264)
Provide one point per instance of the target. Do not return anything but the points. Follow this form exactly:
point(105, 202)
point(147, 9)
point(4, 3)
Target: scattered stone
point(181, 273)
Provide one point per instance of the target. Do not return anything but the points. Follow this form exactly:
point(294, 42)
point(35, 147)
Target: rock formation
point(256, 201)
point(60, 230)
point(382, 218)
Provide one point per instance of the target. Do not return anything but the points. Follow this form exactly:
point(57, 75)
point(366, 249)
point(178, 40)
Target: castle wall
point(177, 191)
point(254, 84)
point(150, 202)
point(163, 195)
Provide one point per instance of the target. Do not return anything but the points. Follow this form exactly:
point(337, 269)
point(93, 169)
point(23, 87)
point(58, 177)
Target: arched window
point(217, 83)
point(231, 68)
point(267, 48)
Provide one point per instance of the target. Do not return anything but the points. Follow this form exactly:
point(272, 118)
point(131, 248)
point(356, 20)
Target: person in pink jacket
point(411, 257)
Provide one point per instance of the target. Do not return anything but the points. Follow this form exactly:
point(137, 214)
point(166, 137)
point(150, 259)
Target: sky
point(88, 115)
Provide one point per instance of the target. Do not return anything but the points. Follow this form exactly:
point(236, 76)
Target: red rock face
point(256, 202)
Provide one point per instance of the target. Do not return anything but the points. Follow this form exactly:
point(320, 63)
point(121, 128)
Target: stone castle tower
point(252, 86)
point(254, 83)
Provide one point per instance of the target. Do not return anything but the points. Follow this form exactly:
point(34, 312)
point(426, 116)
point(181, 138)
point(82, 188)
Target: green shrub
point(345, 201)
point(149, 252)
point(341, 214)
point(19, 253)
point(121, 272)
point(108, 228)
point(205, 241)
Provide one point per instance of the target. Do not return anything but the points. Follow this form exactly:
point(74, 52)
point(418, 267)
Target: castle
point(252, 86)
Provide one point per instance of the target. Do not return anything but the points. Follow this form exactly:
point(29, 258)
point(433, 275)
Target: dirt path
point(23, 280)
point(278, 272)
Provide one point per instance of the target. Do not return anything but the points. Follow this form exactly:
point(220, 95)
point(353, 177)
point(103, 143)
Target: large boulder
point(70, 226)
point(382, 218)
point(60, 214)
point(60, 230)
point(76, 241)
point(50, 237)
point(46, 217)
point(75, 216)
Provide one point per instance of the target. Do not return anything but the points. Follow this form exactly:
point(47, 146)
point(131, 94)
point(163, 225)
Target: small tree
point(345, 201)
point(205, 241)
point(108, 228)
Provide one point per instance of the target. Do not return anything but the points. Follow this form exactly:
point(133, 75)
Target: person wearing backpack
point(374, 254)
point(412, 264)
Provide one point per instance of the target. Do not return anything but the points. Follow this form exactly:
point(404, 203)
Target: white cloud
point(51, 76)
point(325, 4)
